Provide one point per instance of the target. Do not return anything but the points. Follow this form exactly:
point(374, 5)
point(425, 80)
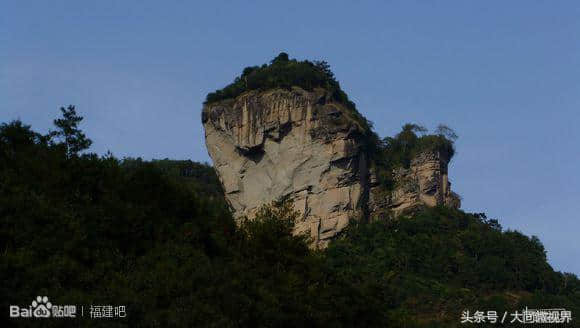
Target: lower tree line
point(86, 229)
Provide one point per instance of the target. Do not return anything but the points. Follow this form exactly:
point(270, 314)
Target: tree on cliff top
point(398, 151)
point(283, 72)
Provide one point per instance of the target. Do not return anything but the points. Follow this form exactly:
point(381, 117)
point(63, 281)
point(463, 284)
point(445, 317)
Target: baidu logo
point(42, 308)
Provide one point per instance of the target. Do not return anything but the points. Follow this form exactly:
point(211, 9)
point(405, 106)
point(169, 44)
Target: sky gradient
point(505, 76)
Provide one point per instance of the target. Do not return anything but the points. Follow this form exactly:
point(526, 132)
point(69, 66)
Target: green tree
point(68, 132)
point(281, 58)
point(447, 132)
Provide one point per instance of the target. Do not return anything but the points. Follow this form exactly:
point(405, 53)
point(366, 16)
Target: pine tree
point(71, 137)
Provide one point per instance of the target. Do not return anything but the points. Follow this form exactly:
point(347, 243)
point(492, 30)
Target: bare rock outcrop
point(304, 146)
point(296, 144)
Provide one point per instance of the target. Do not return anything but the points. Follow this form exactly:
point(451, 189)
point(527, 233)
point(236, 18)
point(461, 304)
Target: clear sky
point(504, 74)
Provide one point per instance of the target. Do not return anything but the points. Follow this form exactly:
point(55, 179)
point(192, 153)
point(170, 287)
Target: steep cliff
point(302, 145)
point(293, 144)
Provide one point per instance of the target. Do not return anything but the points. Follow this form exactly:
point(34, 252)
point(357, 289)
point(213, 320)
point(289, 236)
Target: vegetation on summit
point(398, 151)
point(285, 73)
point(282, 72)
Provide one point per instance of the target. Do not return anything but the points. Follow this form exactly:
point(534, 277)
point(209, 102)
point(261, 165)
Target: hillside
point(159, 238)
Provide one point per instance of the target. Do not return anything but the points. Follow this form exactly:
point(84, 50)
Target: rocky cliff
point(304, 146)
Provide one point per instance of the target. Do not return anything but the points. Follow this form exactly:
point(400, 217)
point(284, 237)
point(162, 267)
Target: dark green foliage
point(450, 261)
point(158, 238)
point(201, 178)
point(72, 138)
point(286, 73)
point(282, 72)
point(81, 229)
point(95, 230)
point(401, 149)
point(398, 151)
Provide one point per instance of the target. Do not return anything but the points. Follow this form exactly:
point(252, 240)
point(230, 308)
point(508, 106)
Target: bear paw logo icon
point(41, 307)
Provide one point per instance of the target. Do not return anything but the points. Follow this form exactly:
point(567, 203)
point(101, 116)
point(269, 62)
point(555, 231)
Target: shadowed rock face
point(300, 145)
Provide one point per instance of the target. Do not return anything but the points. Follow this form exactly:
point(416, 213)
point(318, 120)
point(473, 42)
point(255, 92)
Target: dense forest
point(157, 237)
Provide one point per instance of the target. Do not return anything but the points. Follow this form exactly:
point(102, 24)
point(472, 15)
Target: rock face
point(303, 146)
point(293, 144)
point(424, 183)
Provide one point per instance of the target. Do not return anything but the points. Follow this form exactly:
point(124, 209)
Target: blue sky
point(505, 75)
